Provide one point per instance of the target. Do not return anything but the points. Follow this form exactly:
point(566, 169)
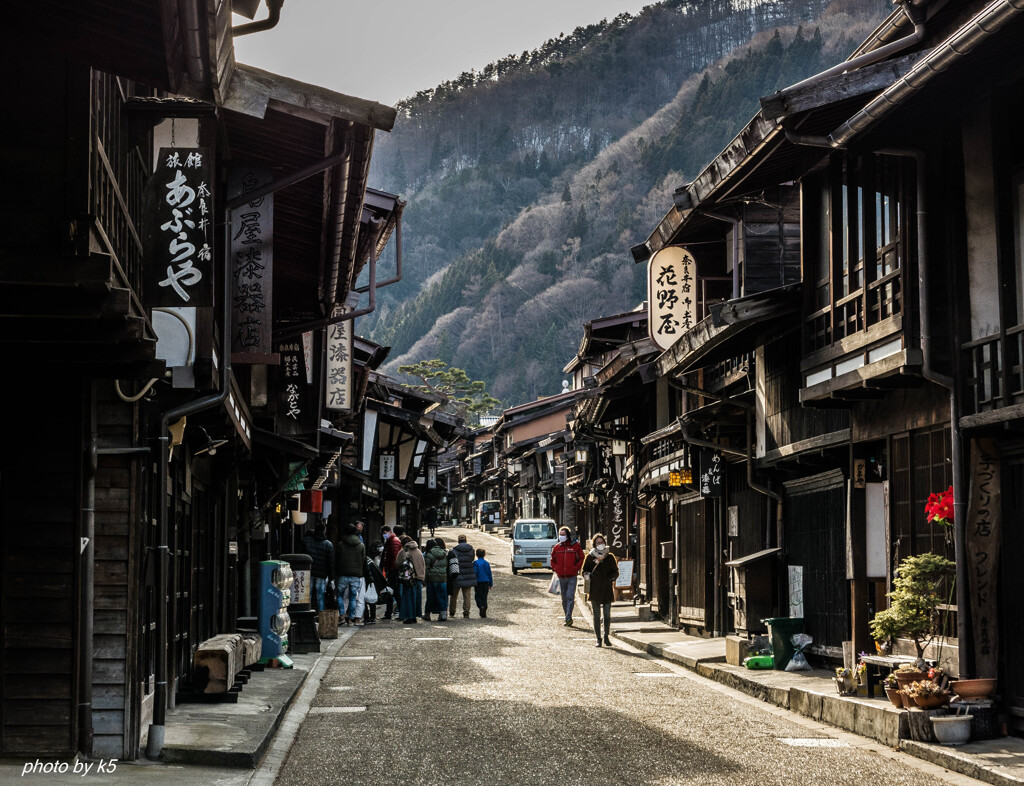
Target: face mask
point(600, 546)
point(563, 538)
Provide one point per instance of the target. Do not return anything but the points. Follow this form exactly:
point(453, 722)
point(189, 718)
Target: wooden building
point(154, 441)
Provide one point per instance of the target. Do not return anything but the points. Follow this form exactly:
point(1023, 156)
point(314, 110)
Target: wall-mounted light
point(208, 444)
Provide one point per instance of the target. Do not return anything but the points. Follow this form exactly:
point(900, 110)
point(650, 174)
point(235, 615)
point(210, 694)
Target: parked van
point(488, 514)
point(532, 541)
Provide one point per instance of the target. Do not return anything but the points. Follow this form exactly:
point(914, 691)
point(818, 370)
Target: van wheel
point(515, 570)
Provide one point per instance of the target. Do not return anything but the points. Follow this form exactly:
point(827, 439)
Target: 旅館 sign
point(178, 229)
point(671, 295)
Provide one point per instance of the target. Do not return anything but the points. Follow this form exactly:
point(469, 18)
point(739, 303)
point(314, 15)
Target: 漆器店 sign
point(671, 295)
point(338, 393)
point(252, 263)
point(177, 226)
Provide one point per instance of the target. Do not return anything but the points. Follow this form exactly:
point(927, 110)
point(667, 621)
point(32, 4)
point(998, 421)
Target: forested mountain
point(528, 181)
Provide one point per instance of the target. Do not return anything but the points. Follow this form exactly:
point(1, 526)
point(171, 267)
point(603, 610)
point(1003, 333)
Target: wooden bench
point(218, 661)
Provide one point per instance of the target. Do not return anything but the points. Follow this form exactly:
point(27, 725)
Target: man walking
point(566, 559)
point(466, 578)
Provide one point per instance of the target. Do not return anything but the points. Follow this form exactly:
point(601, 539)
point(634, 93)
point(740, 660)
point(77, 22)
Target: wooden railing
point(722, 374)
point(993, 370)
point(118, 174)
point(856, 312)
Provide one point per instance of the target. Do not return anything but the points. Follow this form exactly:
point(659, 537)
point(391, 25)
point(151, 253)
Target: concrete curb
point(887, 725)
point(952, 759)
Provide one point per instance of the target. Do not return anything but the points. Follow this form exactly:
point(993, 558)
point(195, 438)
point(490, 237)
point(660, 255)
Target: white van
point(488, 515)
point(532, 541)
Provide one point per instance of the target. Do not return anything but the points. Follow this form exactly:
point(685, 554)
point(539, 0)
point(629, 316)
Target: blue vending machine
point(275, 596)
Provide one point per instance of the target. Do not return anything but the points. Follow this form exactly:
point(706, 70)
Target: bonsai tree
point(913, 604)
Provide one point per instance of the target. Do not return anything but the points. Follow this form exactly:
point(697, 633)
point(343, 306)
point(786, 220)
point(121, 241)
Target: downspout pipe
point(876, 55)
point(155, 740)
point(736, 284)
point(319, 324)
point(273, 17)
point(398, 262)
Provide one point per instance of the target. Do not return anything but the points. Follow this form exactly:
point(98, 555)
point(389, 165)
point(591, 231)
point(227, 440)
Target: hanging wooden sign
point(338, 380)
point(983, 537)
point(177, 226)
point(617, 519)
point(252, 265)
point(293, 409)
point(671, 295)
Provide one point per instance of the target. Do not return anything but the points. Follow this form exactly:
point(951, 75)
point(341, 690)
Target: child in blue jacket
point(484, 580)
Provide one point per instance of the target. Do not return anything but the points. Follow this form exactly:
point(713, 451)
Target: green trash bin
point(782, 630)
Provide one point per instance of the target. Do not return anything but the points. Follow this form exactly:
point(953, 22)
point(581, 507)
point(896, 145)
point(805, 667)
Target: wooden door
point(1011, 584)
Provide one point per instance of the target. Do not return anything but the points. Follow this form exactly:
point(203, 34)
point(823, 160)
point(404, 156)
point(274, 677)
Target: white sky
point(386, 50)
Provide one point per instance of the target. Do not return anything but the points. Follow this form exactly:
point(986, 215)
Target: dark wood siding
point(114, 659)
point(786, 421)
point(693, 561)
point(771, 243)
point(815, 519)
point(39, 506)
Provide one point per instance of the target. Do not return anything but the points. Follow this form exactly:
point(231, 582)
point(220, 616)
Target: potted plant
point(892, 690)
point(913, 604)
point(927, 694)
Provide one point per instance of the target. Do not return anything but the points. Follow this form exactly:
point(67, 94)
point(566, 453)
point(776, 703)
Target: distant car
point(532, 541)
point(488, 514)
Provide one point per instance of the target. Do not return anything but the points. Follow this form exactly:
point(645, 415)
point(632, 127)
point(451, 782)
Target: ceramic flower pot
point(906, 677)
point(952, 729)
point(973, 689)
point(908, 701)
point(894, 697)
point(931, 702)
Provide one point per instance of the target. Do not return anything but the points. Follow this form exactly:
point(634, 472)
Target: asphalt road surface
point(518, 698)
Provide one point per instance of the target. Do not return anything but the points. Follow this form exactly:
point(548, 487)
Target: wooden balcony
point(993, 375)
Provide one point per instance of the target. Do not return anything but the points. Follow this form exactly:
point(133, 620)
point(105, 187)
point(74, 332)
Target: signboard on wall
point(338, 381)
point(671, 295)
point(712, 474)
point(387, 466)
point(617, 519)
point(177, 227)
point(796, 591)
point(252, 263)
point(983, 539)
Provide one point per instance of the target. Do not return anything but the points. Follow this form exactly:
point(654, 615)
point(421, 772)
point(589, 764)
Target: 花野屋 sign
point(178, 227)
point(671, 295)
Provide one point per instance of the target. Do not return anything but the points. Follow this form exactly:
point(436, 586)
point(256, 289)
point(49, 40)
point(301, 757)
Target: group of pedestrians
point(394, 572)
point(599, 569)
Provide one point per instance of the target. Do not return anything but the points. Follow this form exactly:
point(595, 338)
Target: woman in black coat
point(603, 570)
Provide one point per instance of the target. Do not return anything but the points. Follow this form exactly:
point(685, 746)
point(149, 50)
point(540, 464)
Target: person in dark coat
point(466, 579)
point(322, 551)
point(604, 570)
point(349, 556)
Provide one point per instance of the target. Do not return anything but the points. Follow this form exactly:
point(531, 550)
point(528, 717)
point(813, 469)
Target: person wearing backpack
point(411, 572)
point(436, 559)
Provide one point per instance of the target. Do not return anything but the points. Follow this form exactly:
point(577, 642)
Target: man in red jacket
point(566, 559)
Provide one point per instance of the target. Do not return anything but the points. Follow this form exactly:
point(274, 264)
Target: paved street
point(518, 698)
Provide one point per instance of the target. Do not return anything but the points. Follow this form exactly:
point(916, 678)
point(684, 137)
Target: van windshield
point(535, 530)
point(489, 507)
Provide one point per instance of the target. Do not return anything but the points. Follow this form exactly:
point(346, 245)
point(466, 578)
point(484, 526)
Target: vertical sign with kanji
point(617, 513)
point(671, 295)
point(178, 228)
point(293, 403)
point(252, 263)
point(983, 539)
point(338, 381)
point(712, 474)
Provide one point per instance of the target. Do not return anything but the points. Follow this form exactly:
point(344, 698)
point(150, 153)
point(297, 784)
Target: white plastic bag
point(371, 594)
point(799, 661)
point(553, 587)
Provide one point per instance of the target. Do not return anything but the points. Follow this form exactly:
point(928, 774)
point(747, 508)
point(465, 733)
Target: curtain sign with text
point(177, 221)
point(671, 295)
